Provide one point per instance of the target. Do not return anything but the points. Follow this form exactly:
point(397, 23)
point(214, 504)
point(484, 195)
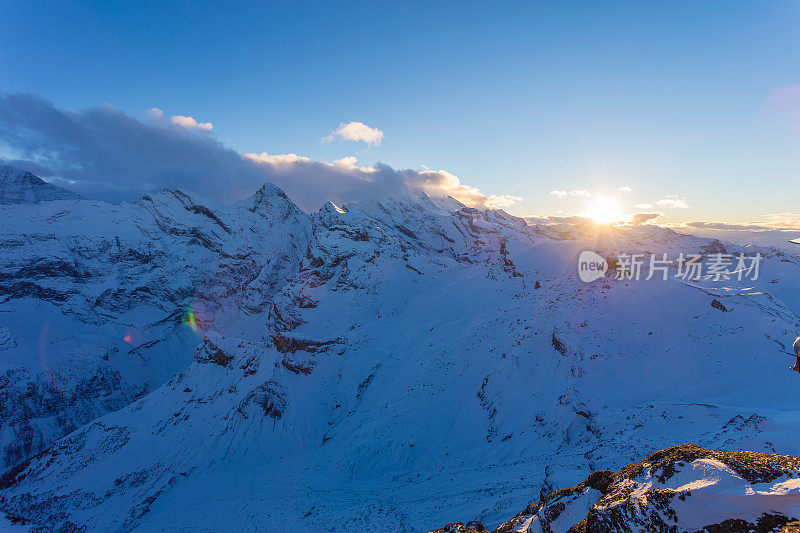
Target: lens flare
point(191, 320)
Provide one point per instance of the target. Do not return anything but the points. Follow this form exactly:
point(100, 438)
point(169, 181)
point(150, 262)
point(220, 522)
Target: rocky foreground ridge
point(682, 488)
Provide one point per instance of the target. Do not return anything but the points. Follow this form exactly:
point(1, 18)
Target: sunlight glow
point(605, 210)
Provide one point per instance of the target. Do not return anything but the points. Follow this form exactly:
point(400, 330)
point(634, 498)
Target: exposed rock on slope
point(682, 488)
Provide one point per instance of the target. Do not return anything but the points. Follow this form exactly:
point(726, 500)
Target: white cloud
point(350, 163)
point(502, 200)
point(278, 161)
point(440, 183)
point(190, 123)
point(574, 193)
point(638, 219)
point(624, 188)
point(644, 206)
point(784, 220)
point(312, 182)
point(673, 201)
point(356, 131)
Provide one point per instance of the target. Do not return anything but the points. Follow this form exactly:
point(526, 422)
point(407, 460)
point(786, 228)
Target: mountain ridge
point(382, 365)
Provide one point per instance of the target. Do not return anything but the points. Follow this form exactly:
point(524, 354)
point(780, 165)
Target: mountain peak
point(331, 207)
point(270, 199)
point(19, 186)
point(269, 189)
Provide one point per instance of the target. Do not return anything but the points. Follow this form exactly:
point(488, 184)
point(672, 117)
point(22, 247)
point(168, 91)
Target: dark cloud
point(108, 153)
point(102, 152)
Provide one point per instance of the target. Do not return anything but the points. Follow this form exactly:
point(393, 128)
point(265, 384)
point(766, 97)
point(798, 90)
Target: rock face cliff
point(175, 363)
point(682, 488)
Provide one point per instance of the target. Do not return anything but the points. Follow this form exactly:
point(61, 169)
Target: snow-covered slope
point(384, 366)
point(95, 297)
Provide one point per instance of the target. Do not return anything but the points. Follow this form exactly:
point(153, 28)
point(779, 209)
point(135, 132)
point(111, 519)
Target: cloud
point(502, 201)
point(344, 180)
point(278, 162)
point(114, 156)
point(625, 188)
point(110, 155)
point(190, 123)
point(784, 220)
point(440, 183)
point(637, 219)
point(356, 131)
point(726, 226)
point(558, 219)
point(778, 229)
point(772, 222)
point(575, 193)
point(673, 201)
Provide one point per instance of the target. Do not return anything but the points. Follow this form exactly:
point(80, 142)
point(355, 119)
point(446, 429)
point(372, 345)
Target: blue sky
point(692, 102)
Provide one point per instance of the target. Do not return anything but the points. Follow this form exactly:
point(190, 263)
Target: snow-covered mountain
point(21, 187)
point(384, 366)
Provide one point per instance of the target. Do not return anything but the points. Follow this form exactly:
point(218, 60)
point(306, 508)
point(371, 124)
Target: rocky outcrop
point(716, 304)
point(211, 353)
point(472, 526)
point(682, 488)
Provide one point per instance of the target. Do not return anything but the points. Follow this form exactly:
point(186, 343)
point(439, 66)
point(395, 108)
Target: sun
point(604, 211)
